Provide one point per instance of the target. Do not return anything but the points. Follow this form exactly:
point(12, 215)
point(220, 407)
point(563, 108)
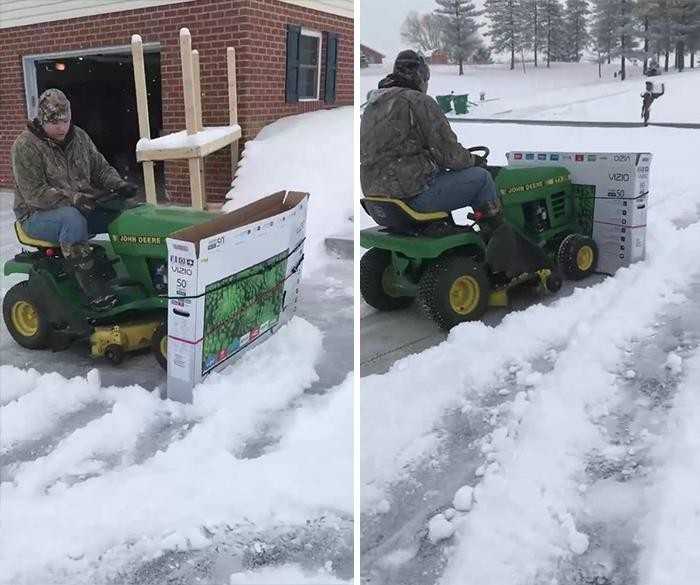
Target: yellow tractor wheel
point(25, 318)
point(578, 256)
point(159, 345)
point(453, 290)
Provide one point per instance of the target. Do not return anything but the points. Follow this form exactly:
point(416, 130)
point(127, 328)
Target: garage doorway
point(100, 86)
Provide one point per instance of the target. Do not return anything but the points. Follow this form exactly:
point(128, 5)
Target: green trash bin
point(445, 102)
point(462, 104)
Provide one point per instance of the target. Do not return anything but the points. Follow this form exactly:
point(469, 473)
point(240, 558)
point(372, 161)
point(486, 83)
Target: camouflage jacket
point(404, 139)
point(48, 175)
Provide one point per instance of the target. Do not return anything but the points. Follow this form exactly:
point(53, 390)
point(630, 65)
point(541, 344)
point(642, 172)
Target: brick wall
point(256, 28)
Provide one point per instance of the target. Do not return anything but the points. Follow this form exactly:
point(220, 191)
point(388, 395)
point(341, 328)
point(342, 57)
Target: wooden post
point(197, 91)
point(142, 107)
point(232, 104)
point(196, 165)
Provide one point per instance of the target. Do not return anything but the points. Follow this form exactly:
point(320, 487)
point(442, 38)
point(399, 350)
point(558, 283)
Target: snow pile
point(82, 507)
point(671, 533)
point(291, 574)
point(464, 498)
point(309, 152)
point(439, 528)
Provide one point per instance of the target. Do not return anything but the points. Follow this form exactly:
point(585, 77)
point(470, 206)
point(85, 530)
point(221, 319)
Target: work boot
point(489, 217)
point(80, 260)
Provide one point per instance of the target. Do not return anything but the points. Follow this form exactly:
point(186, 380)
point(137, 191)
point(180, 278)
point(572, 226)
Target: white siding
point(339, 7)
point(24, 12)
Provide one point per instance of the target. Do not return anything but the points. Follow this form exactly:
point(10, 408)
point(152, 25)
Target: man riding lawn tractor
point(60, 179)
point(414, 172)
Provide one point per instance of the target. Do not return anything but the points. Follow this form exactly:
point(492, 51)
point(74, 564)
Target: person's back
point(394, 161)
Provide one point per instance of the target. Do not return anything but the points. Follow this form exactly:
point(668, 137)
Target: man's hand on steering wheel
point(480, 160)
point(83, 202)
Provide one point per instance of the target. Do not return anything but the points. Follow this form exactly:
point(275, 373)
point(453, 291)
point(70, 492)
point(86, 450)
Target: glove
point(84, 203)
point(127, 191)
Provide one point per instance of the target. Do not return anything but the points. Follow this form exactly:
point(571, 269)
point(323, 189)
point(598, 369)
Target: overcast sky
point(380, 22)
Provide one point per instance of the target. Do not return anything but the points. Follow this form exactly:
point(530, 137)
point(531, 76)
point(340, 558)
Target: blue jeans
point(448, 190)
point(67, 225)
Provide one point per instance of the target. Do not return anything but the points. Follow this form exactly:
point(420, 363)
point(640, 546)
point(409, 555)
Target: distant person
point(648, 98)
point(59, 173)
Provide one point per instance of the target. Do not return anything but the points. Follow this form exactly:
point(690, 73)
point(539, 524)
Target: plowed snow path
point(114, 485)
point(522, 410)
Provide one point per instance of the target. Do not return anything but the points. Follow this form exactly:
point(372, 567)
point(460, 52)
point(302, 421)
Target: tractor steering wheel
point(484, 149)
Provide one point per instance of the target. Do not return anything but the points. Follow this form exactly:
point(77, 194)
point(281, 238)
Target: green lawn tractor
point(427, 257)
point(49, 310)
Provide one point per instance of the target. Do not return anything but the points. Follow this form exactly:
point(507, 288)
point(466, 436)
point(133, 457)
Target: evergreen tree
point(686, 17)
point(644, 14)
point(459, 29)
point(553, 30)
point(533, 29)
point(506, 26)
point(576, 16)
point(603, 27)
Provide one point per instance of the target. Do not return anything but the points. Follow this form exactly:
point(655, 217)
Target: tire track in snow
point(395, 546)
point(595, 300)
point(616, 483)
point(523, 523)
point(202, 465)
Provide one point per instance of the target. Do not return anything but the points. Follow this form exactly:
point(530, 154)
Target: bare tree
point(422, 31)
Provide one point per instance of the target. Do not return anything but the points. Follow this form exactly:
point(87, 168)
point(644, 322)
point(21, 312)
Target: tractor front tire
point(25, 318)
point(374, 271)
point(159, 345)
point(578, 256)
point(453, 290)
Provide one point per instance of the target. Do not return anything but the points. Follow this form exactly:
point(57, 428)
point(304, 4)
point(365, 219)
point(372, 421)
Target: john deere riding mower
point(50, 310)
point(448, 268)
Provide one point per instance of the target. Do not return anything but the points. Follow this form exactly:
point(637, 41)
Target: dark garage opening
point(101, 90)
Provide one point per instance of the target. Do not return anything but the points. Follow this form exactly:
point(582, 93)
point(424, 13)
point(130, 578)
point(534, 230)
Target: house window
point(309, 65)
point(304, 50)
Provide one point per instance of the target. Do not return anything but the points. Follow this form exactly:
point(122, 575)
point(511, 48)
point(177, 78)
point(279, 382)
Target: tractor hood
point(512, 181)
point(142, 231)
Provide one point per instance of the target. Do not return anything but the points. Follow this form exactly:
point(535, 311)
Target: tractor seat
point(27, 240)
point(398, 216)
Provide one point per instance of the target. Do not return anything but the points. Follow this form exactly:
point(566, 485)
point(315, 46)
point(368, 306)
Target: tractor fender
point(14, 267)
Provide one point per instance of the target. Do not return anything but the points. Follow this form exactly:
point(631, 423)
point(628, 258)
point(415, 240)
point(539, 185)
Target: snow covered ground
point(572, 424)
point(567, 91)
point(102, 482)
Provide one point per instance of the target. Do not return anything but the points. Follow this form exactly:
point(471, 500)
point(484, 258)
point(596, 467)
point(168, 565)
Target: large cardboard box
point(612, 190)
point(232, 282)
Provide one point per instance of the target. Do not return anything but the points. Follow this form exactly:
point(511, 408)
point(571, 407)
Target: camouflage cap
point(53, 107)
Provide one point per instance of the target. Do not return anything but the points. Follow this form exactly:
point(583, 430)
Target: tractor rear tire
point(25, 317)
point(374, 267)
point(578, 256)
point(453, 290)
point(159, 345)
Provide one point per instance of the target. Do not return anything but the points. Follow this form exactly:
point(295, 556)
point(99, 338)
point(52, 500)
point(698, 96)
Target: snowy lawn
point(251, 483)
point(566, 91)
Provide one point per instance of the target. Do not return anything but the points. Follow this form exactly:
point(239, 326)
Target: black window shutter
point(331, 66)
point(293, 42)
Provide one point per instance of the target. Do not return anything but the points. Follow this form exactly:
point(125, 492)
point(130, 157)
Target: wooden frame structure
point(195, 142)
